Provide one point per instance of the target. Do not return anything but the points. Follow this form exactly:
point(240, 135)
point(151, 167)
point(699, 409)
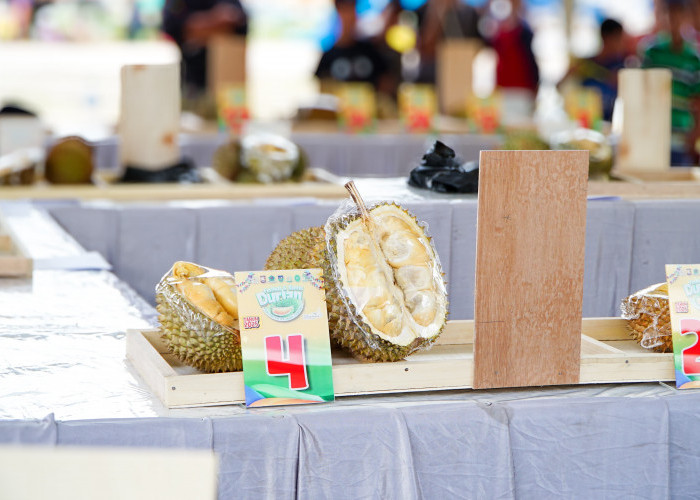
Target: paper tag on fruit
point(684, 305)
point(232, 108)
point(417, 107)
point(357, 107)
point(284, 337)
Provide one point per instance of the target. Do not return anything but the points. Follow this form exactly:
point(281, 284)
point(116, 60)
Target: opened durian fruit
point(648, 317)
point(198, 313)
point(385, 292)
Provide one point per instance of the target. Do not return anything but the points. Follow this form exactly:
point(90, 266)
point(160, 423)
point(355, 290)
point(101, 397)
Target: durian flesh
point(385, 294)
point(391, 275)
point(199, 317)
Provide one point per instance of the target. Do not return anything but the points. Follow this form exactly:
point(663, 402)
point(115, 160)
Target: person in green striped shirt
point(668, 49)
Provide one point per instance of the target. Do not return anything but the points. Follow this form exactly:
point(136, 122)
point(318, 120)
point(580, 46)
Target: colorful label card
point(357, 107)
point(484, 113)
point(284, 337)
point(585, 107)
point(417, 107)
point(232, 107)
point(684, 303)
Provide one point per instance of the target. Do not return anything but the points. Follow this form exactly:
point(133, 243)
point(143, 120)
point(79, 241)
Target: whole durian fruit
point(649, 318)
point(198, 314)
point(384, 289)
point(69, 161)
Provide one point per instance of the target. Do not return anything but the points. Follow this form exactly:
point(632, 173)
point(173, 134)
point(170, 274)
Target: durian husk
point(202, 333)
point(648, 317)
point(309, 249)
point(69, 161)
point(227, 160)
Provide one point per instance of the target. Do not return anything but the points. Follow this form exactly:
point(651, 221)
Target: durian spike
point(357, 198)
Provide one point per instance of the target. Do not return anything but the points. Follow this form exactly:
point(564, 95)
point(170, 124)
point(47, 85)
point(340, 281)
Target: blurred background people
point(669, 49)
point(516, 68)
point(192, 24)
point(351, 58)
point(440, 20)
point(600, 71)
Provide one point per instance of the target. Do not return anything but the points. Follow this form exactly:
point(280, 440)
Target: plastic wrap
point(648, 317)
point(441, 171)
point(270, 158)
point(199, 317)
point(600, 159)
point(403, 281)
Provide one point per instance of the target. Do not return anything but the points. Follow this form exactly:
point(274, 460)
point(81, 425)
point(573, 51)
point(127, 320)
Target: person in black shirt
point(191, 24)
point(351, 59)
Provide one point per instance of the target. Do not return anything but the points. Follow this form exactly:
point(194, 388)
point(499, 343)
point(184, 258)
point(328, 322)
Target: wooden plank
point(148, 362)
point(161, 192)
point(5, 243)
point(675, 174)
point(528, 297)
point(645, 136)
point(592, 347)
point(613, 368)
point(461, 331)
point(444, 367)
point(645, 190)
point(15, 259)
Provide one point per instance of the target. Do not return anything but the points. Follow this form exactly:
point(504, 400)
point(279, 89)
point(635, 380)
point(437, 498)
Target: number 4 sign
point(684, 303)
point(295, 363)
point(284, 337)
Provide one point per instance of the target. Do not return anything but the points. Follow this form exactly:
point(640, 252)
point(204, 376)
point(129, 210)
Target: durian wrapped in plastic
point(648, 317)
point(385, 292)
point(260, 157)
point(198, 314)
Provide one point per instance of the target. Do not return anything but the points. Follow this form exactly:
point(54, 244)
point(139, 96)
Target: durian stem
point(355, 194)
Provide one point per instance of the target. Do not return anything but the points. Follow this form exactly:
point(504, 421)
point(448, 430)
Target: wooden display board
point(645, 122)
point(531, 230)
point(607, 355)
point(455, 58)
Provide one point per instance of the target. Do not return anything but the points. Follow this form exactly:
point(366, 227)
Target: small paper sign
point(684, 303)
point(417, 107)
point(484, 113)
point(585, 107)
point(232, 108)
point(357, 107)
point(284, 337)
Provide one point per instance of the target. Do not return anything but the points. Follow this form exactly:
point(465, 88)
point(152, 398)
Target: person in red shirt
point(516, 67)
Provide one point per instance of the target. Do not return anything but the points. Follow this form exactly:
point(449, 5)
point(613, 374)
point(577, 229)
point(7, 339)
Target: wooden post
point(226, 62)
point(645, 139)
point(528, 296)
point(150, 116)
point(454, 62)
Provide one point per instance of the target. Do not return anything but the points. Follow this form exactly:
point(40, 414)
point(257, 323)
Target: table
point(378, 155)
point(626, 240)
point(64, 381)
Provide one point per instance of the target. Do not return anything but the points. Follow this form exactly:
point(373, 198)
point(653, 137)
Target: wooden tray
point(15, 261)
point(607, 355)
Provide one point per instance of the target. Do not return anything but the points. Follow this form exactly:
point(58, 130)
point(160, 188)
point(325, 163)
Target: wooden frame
point(608, 355)
point(15, 260)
